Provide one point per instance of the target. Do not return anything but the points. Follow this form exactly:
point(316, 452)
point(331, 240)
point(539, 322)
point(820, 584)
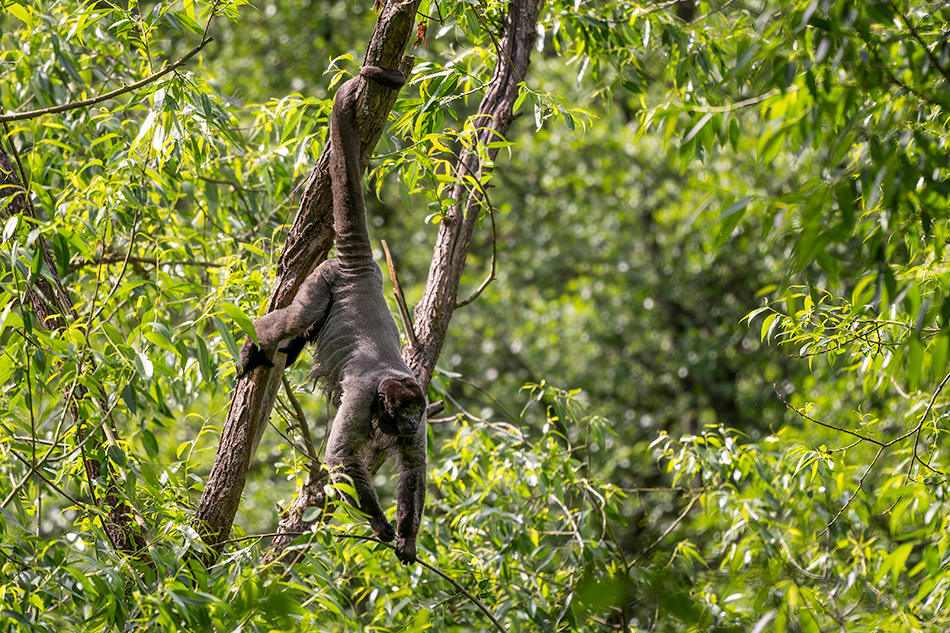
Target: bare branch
point(301, 418)
point(116, 258)
point(825, 424)
point(494, 244)
point(400, 298)
point(493, 120)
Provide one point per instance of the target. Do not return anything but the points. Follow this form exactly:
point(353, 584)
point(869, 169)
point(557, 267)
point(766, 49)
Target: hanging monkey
point(341, 307)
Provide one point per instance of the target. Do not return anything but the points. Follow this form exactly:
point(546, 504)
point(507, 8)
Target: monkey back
point(359, 341)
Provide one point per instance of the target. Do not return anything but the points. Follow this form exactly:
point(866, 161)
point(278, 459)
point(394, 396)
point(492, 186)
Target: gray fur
point(342, 308)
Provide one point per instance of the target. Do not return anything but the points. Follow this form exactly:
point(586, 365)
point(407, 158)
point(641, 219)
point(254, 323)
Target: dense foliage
point(722, 223)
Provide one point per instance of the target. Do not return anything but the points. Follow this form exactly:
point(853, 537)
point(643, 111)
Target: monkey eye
point(408, 413)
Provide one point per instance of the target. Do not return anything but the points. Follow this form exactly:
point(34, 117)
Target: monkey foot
point(406, 550)
point(383, 530)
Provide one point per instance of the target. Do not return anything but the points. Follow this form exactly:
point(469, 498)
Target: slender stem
point(666, 533)
point(400, 298)
point(301, 418)
point(105, 96)
point(494, 242)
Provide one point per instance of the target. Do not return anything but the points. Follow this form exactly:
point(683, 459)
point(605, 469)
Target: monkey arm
point(410, 493)
point(309, 306)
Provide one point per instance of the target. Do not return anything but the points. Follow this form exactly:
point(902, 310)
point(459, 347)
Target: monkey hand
point(252, 356)
point(406, 550)
point(292, 348)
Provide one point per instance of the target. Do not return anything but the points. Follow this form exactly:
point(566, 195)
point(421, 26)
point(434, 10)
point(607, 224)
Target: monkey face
point(403, 407)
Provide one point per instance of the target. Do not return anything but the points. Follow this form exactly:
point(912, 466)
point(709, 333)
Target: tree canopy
point(676, 270)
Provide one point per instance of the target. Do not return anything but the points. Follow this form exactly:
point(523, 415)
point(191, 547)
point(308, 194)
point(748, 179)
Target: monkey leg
point(351, 429)
point(367, 501)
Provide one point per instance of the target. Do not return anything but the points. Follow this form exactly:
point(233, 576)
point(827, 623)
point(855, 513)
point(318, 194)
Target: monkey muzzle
point(407, 423)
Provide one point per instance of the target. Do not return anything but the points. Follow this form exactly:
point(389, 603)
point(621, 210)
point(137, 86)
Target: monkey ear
point(395, 394)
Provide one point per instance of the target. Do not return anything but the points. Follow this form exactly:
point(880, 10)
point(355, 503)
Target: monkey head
point(402, 407)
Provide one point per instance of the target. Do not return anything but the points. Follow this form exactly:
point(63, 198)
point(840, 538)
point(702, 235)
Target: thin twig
point(433, 568)
point(832, 451)
point(498, 47)
point(494, 243)
point(117, 258)
point(301, 418)
point(49, 482)
point(24, 183)
point(666, 533)
point(930, 408)
point(515, 419)
point(913, 31)
point(232, 184)
point(290, 441)
point(852, 497)
point(74, 105)
point(400, 299)
point(731, 107)
point(825, 424)
point(920, 426)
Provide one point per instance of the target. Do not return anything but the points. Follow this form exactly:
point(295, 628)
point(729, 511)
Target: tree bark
point(495, 114)
point(307, 245)
point(52, 305)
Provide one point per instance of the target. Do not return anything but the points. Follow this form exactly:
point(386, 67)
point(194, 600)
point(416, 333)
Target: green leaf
point(915, 363)
point(9, 228)
point(697, 127)
point(150, 443)
point(767, 324)
point(129, 398)
point(20, 12)
point(938, 358)
point(117, 456)
point(242, 319)
point(894, 563)
point(226, 337)
point(143, 364)
point(808, 622)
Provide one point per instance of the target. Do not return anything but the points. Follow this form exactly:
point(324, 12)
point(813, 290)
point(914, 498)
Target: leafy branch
point(105, 96)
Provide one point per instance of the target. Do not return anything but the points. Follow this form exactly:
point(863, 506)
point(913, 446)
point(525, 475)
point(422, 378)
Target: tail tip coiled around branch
point(394, 79)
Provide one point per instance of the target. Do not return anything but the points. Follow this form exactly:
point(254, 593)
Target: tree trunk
point(307, 245)
point(51, 304)
point(494, 117)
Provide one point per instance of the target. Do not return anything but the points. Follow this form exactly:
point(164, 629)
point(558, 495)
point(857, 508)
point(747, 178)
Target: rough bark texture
point(434, 310)
point(307, 245)
point(52, 305)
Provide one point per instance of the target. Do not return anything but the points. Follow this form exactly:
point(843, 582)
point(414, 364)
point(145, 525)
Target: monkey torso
point(359, 341)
